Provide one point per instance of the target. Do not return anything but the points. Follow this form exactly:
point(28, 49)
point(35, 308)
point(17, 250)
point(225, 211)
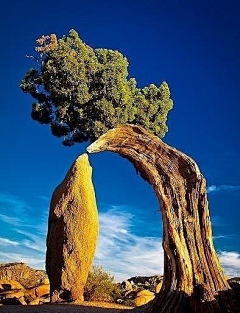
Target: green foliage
point(100, 286)
point(83, 92)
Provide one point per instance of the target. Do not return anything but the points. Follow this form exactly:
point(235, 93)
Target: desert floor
point(89, 307)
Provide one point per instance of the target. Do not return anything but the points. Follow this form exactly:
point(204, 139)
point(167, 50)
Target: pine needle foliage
point(83, 92)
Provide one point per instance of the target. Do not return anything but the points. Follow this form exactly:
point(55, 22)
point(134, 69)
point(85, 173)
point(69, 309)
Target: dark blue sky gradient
point(193, 45)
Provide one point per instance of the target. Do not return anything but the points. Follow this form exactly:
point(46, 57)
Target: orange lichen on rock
point(72, 233)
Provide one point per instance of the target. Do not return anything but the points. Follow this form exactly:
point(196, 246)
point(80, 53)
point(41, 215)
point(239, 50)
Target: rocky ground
point(140, 290)
point(87, 307)
point(20, 284)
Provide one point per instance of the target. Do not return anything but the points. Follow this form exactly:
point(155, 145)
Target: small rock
point(12, 297)
point(158, 287)
point(42, 290)
point(143, 297)
point(9, 284)
point(34, 302)
point(126, 285)
point(44, 300)
point(22, 301)
point(14, 294)
point(30, 294)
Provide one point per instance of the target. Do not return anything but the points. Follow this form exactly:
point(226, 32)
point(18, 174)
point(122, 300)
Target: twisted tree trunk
point(193, 277)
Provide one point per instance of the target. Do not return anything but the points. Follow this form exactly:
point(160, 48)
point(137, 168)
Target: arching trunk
point(193, 278)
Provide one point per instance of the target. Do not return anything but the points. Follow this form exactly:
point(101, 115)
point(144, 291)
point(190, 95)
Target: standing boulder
point(72, 233)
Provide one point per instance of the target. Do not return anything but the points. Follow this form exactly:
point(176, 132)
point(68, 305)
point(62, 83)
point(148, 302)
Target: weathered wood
point(193, 278)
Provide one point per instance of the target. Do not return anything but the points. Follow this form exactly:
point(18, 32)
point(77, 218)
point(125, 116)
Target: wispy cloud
point(18, 257)
point(34, 241)
point(8, 242)
point(10, 220)
point(124, 253)
point(217, 188)
point(230, 262)
point(222, 236)
point(29, 232)
point(122, 249)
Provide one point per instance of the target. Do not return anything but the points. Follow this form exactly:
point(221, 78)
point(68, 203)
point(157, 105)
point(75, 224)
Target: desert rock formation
point(23, 274)
point(72, 233)
point(21, 284)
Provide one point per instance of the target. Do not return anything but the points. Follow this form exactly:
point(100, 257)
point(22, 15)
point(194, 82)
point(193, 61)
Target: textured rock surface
point(72, 233)
point(193, 277)
point(9, 284)
point(143, 297)
point(138, 283)
point(23, 274)
point(158, 287)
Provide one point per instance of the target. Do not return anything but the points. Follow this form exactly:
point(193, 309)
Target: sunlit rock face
point(72, 233)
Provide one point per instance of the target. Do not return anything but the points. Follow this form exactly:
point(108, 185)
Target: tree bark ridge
point(193, 276)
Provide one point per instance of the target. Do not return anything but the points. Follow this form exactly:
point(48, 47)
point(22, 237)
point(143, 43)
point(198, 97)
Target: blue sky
point(194, 46)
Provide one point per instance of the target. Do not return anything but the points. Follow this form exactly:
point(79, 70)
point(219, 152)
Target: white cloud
point(34, 241)
point(120, 250)
point(124, 253)
point(8, 242)
point(215, 188)
point(17, 257)
point(230, 262)
point(10, 220)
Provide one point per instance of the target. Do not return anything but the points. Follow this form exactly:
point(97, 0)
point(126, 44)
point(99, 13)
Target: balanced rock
point(72, 233)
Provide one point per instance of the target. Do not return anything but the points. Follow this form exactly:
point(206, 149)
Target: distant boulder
point(21, 284)
point(143, 297)
point(23, 274)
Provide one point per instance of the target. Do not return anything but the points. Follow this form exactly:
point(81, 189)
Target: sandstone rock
point(158, 287)
point(72, 233)
point(14, 294)
point(42, 290)
point(22, 301)
point(20, 272)
point(34, 302)
point(143, 297)
point(10, 284)
point(12, 297)
point(45, 281)
point(44, 300)
point(30, 294)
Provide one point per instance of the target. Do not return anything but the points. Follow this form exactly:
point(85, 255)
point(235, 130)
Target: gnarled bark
point(72, 233)
point(193, 278)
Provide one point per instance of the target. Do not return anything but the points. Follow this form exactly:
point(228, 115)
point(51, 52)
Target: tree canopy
point(82, 92)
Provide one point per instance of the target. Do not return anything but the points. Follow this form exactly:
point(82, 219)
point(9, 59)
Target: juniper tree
point(82, 92)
